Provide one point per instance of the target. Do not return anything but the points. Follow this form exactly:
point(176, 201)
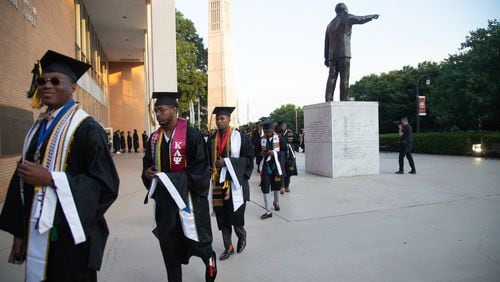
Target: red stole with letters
point(177, 148)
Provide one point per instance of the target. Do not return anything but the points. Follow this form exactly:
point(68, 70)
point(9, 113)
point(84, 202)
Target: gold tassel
point(151, 116)
point(36, 102)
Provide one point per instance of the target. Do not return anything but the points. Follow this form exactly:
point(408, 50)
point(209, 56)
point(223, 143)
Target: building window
point(215, 15)
point(88, 49)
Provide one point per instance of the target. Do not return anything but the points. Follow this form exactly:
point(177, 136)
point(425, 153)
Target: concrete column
point(163, 56)
point(160, 57)
point(221, 82)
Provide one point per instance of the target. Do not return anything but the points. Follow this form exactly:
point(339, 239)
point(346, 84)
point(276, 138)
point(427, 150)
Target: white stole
point(236, 188)
point(46, 197)
point(263, 143)
point(186, 215)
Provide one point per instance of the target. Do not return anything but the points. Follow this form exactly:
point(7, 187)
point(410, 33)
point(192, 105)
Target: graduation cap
point(281, 122)
point(223, 111)
point(166, 98)
point(56, 62)
point(267, 123)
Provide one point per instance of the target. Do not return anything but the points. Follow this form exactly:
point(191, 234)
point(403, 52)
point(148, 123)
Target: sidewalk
point(442, 224)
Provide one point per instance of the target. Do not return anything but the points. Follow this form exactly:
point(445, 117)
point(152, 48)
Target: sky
point(278, 44)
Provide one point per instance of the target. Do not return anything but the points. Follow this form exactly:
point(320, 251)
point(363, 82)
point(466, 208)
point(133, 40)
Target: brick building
point(120, 39)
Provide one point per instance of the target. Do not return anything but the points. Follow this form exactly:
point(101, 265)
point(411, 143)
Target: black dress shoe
point(399, 172)
point(266, 215)
point(242, 243)
point(276, 207)
point(211, 268)
point(412, 172)
point(227, 253)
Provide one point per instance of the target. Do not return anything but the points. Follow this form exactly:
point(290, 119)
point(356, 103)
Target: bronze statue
point(338, 49)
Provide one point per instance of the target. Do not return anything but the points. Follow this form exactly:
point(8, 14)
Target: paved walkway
point(442, 224)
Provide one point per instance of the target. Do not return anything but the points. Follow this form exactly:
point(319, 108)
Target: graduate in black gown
point(228, 144)
point(86, 170)
point(136, 141)
point(179, 151)
point(144, 140)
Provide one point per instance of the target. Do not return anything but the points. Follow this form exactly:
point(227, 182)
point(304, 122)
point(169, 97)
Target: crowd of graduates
point(122, 144)
point(67, 179)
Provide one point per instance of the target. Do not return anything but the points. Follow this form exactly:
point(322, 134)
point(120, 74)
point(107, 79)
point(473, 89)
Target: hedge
point(446, 143)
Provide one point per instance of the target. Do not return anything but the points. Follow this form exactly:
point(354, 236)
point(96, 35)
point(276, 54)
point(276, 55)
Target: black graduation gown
point(136, 141)
point(123, 145)
point(195, 179)
point(129, 142)
point(243, 167)
point(94, 182)
point(144, 140)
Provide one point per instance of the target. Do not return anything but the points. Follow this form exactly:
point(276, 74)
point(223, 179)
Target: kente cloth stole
point(265, 165)
point(45, 198)
point(220, 145)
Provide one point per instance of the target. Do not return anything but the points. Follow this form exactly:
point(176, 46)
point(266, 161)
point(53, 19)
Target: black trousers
point(176, 249)
point(406, 151)
point(67, 261)
point(227, 233)
point(342, 66)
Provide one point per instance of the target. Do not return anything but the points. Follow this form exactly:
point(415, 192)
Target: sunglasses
point(53, 80)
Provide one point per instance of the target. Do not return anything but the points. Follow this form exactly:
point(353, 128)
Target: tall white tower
point(221, 82)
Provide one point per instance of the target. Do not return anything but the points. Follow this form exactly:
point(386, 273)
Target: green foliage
point(290, 114)
point(191, 67)
point(464, 90)
point(448, 143)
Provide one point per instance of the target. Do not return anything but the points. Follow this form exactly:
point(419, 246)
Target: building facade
point(114, 36)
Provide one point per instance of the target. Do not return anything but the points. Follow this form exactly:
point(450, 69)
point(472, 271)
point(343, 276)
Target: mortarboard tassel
point(36, 102)
point(151, 116)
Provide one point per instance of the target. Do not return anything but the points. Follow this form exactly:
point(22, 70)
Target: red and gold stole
point(221, 144)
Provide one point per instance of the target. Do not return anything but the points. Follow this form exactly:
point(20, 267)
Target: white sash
point(45, 199)
point(263, 143)
point(27, 142)
point(291, 150)
point(186, 215)
point(236, 189)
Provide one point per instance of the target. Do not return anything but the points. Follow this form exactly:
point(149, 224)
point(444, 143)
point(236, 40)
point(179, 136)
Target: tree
point(290, 114)
point(468, 91)
point(191, 67)
point(395, 92)
point(464, 91)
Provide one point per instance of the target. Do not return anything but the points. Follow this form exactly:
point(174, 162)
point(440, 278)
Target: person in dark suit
point(405, 134)
point(338, 49)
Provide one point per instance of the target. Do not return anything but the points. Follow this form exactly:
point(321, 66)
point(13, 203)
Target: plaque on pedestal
point(341, 138)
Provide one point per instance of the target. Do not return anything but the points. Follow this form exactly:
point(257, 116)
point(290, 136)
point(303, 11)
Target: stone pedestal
point(341, 138)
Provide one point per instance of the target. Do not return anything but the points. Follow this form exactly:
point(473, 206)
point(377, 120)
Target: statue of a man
point(338, 49)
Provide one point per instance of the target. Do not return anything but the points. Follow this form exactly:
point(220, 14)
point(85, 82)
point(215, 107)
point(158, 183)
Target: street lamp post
point(427, 82)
